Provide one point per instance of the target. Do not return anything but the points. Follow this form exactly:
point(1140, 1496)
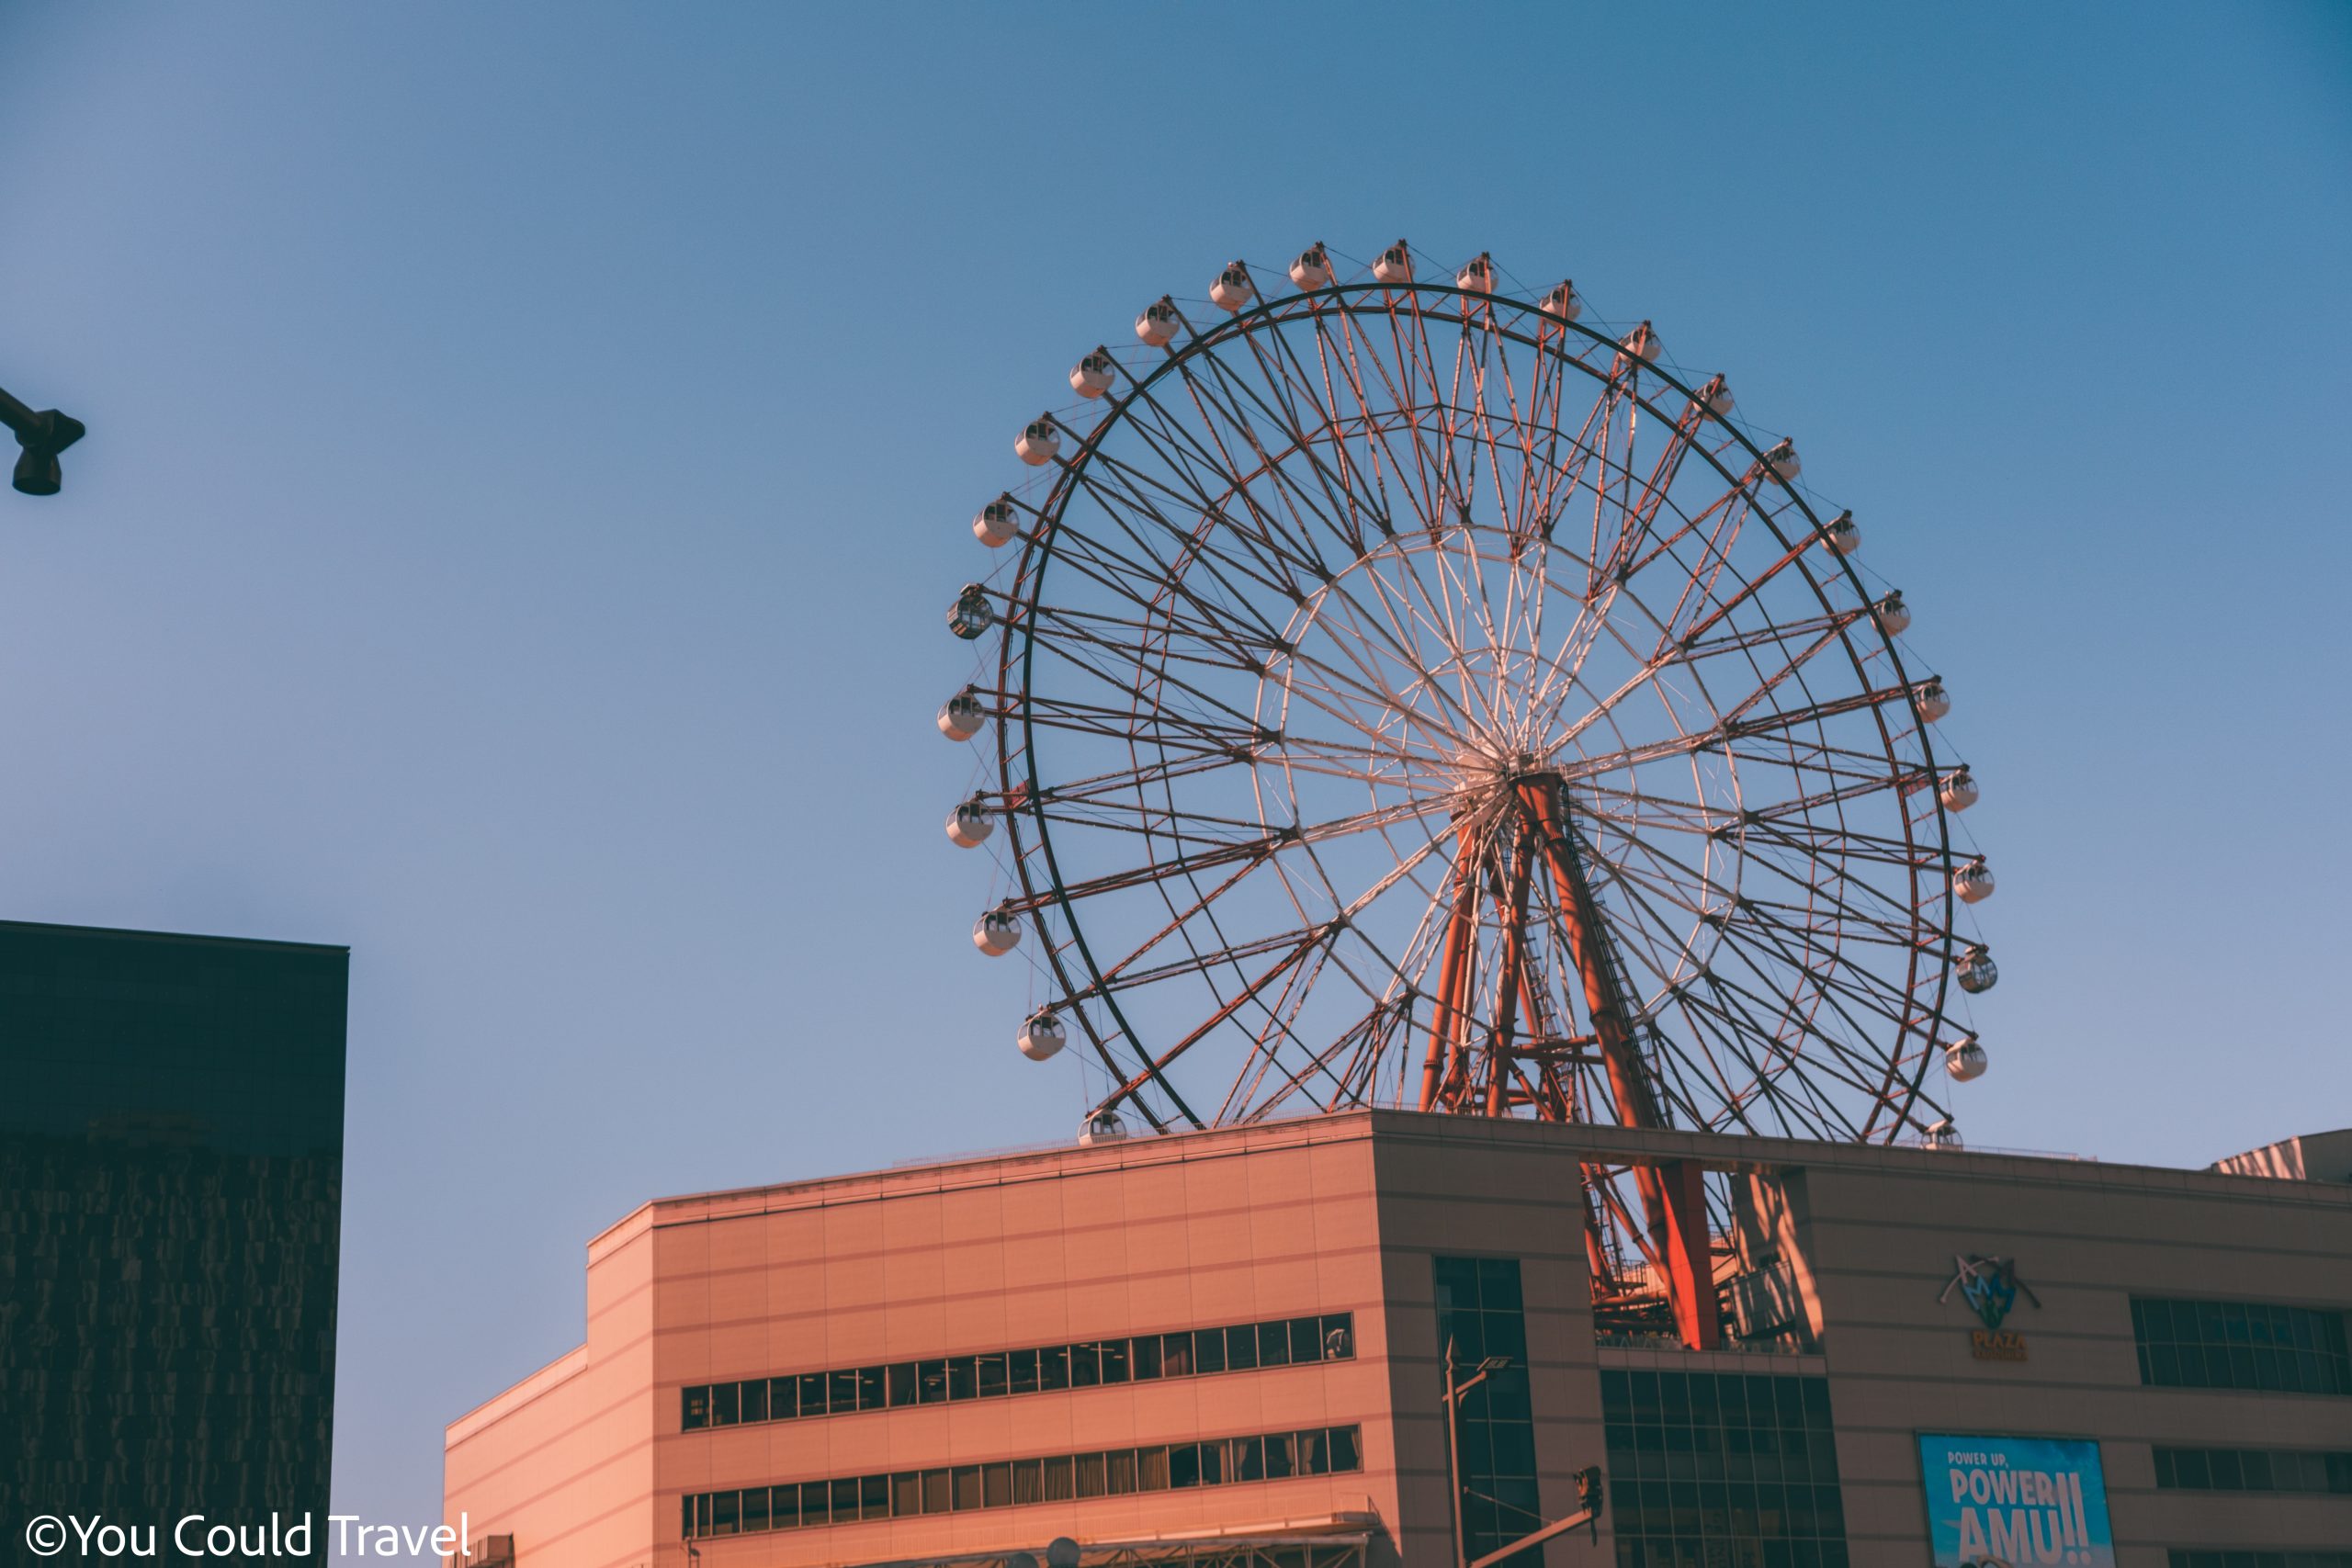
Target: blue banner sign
point(2015, 1502)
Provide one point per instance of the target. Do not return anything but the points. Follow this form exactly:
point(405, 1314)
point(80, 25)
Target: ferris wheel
point(1406, 693)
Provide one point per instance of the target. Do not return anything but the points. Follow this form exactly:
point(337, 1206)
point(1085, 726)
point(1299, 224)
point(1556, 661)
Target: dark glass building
point(171, 1173)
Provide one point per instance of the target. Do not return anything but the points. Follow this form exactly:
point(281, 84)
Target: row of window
point(1048, 1369)
point(2254, 1469)
point(2180, 1559)
point(1722, 1470)
point(2248, 1344)
point(1273, 1456)
point(1749, 1551)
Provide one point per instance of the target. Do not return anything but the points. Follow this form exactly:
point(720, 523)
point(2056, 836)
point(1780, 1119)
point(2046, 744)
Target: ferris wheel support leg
point(1443, 1063)
point(1510, 985)
point(1674, 1198)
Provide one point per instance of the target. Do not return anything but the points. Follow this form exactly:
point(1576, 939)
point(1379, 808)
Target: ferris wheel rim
point(1351, 299)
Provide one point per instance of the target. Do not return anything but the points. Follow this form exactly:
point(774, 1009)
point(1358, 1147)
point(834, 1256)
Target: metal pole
point(1453, 1457)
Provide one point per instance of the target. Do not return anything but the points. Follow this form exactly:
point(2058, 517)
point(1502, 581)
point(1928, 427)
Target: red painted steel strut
point(1673, 1194)
point(1449, 1029)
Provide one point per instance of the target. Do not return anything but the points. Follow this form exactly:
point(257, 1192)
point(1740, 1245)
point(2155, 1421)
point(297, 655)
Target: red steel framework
point(1392, 673)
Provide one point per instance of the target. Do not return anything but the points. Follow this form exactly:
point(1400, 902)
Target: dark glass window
point(963, 1377)
point(931, 1381)
point(2246, 1344)
point(1017, 1483)
point(841, 1390)
point(1114, 1361)
point(784, 1398)
point(812, 1394)
point(1184, 1465)
point(755, 1400)
point(1053, 1368)
point(1340, 1327)
point(1478, 1316)
point(1085, 1365)
point(1208, 1351)
point(1274, 1345)
point(1024, 1375)
point(992, 1375)
point(1242, 1349)
point(2254, 1469)
point(1145, 1353)
point(1176, 1355)
point(869, 1388)
point(1306, 1339)
point(902, 1383)
point(726, 1409)
point(694, 1408)
point(1721, 1465)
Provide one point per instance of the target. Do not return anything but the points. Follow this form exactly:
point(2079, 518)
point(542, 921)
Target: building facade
point(1233, 1347)
point(171, 1160)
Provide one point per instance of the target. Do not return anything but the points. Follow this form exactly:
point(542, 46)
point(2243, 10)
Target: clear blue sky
point(532, 446)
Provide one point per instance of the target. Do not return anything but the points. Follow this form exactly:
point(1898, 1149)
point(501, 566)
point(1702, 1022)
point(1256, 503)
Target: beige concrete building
point(1227, 1347)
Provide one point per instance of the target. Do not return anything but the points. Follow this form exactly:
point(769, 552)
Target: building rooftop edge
point(194, 938)
point(1719, 1150)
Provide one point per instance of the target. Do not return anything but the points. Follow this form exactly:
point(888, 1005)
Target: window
point(1722, 1465)
point(2247, 1344)
point(1048, 1369)
point(2254, 1469)
point(2179, 1558)
point(1018, 1482)
point(1151, 1468)
point(1478, 1316)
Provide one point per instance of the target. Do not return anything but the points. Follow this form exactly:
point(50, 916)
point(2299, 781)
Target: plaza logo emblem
point(1990, 1287)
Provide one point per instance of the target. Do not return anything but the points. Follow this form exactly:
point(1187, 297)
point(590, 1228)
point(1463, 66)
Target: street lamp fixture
point(43, 433)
